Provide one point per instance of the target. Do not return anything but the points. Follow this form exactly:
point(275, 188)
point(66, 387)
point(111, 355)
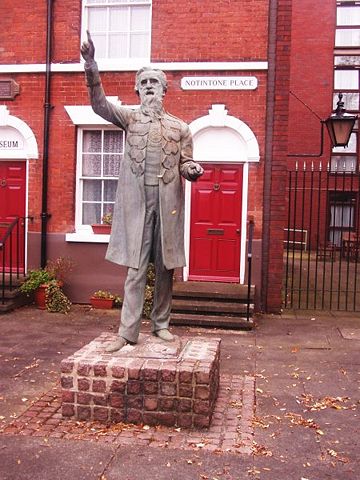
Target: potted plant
point(105, 226)
point(38, 282)
point(102, 299)
point(35, 284)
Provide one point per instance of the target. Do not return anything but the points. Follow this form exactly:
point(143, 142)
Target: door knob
point(3, 182)
point(216, 187)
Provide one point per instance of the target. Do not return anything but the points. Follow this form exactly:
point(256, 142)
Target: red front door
point(215, 224)
point(12, 205)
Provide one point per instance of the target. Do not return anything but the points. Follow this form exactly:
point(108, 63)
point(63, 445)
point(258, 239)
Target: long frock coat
point(129, 211)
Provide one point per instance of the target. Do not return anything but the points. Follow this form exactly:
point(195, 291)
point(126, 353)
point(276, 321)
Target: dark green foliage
point(149, 291)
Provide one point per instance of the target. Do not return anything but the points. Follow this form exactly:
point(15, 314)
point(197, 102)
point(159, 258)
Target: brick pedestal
point(153, 382)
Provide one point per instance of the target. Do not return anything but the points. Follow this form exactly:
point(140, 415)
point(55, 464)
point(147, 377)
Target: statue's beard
point(154, 102)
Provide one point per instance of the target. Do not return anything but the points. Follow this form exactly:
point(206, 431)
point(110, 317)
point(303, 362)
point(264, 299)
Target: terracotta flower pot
point(102, 303)
point(101, 228)
point(40, 295)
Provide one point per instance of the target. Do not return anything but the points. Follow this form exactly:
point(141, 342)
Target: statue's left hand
point(195, 171)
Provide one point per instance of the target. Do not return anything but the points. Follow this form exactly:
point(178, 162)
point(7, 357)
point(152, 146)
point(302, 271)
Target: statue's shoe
point(165, 335)
point(116, 345)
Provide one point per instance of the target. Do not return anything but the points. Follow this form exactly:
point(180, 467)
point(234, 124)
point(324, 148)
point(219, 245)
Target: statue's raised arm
point(114, 114)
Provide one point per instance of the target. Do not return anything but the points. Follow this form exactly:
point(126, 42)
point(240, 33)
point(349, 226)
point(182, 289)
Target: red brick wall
point(191, 31)
point(312, 70)
point(25, 26)
point(209, 31)
point(67, 31)
point(312, 48)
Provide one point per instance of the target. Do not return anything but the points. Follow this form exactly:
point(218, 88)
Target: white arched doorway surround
point(18, 145)
point(26, 146)
point(222, 138)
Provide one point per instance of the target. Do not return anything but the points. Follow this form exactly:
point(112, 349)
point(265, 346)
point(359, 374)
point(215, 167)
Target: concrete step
point(212, 304)
point(212, 290)
point(15, 282)
point(8, 294)
point(215, 321)
point(209, 306)
point(15, 300)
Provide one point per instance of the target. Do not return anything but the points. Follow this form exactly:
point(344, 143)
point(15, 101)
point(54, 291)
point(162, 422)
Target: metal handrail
point(8, 231)
point(6, 240)
point(249, 258)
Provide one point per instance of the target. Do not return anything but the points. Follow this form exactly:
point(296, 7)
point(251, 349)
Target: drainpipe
point(47, 109)
point(268, 151)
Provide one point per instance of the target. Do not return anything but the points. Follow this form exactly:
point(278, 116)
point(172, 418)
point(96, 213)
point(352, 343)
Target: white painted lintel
point(128, 67)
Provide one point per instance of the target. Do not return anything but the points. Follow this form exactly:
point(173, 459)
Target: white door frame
point(25, 148)
point(218, 123)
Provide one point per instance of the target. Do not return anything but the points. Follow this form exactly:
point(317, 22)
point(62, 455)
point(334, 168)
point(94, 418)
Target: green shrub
point(35, 278)
point(149, 291)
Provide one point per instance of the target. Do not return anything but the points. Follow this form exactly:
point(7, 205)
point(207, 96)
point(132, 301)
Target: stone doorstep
point(216, 438)
point(153, 382)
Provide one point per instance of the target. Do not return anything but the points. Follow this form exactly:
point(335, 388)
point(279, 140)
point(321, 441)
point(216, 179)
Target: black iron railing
point(12, 264)
point(249, 299)
point(322, 237)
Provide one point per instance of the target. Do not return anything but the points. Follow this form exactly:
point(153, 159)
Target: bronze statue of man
point(148, 219)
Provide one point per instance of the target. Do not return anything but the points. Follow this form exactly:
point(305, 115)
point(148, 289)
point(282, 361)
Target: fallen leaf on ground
point(253, 471)
point(260, 450)
point(297, 419)
point(335, 455)
point(260, 422)
point(338, 403)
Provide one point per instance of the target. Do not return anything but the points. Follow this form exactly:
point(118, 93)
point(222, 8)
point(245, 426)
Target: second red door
point(215, 224)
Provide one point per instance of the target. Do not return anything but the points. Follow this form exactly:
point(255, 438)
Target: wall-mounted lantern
point(339, 126)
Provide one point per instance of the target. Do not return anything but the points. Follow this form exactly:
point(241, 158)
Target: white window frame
point(353, 19)
point(127, 63)
point(79, 226)
point(345, 79)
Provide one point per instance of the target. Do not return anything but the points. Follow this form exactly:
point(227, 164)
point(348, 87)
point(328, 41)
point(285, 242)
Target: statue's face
point(150, 88)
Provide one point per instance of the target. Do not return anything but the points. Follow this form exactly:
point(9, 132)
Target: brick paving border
point(231, 428)
point(150, 383)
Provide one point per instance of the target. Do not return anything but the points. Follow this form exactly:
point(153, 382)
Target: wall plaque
point(219, 83)
point(8, 89)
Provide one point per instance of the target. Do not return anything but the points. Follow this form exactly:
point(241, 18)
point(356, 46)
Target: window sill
point(86, 237)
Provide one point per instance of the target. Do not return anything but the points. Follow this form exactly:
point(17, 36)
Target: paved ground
point(288, 405)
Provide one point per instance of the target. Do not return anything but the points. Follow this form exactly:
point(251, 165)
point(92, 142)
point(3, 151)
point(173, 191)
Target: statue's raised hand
point(88, 49)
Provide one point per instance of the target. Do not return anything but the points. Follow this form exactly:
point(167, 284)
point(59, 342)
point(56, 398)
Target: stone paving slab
point(350, 333)
point(231, 429)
